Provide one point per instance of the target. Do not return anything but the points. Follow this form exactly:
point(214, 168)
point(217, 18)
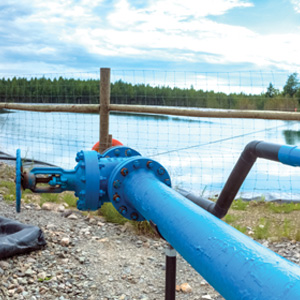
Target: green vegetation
point(111, 215)
point(283, 207)
point(230, 218)
point(239, 204)
point(63, 90)
point(261, 231)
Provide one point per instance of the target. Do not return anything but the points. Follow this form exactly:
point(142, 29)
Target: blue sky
point(64, 36)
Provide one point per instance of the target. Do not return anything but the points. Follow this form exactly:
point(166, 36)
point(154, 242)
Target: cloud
point(86, 32)
point(296, 5)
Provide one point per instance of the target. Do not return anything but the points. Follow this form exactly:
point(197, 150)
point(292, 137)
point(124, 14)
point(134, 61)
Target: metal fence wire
point(195, 124)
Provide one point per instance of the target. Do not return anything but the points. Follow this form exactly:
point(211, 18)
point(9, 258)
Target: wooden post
point(104, 109)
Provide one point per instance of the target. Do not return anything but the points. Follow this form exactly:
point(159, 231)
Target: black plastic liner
point(17, 238)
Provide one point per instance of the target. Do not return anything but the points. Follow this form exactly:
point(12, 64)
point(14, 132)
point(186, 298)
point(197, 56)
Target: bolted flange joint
point(135, 166)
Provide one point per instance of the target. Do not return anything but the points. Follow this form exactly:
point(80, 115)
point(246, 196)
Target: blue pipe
point(235, 265)
point(289, 155)
point(139, 188)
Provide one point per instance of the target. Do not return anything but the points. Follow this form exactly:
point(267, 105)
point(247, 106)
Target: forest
point(64, 90)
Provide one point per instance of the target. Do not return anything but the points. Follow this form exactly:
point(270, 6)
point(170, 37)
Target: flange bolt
point(79, 156)
point(149, 164)
point(161, 171)
point(128, 152)
point(116, 198)
point(124, 171)
point(134, 216)
point(117, 184)
point(123, 210)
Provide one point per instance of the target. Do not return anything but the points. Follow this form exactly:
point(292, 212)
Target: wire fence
point(198, 144)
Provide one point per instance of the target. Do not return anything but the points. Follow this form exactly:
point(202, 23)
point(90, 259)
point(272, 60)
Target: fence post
point(104, 109)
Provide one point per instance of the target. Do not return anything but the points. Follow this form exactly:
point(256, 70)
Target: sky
point(68, 36)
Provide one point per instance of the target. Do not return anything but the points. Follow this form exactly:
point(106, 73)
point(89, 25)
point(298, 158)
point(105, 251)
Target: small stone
point(72, 217)
point(185, 288)
point(65, 241)
point(48, 206)
point(104, 240)
point(60, 208)
point(203, 282)
point(92, 221)
point(19, 289)
point(206, 297)
point(4, 265)
point(177, 288)
point(29, 272)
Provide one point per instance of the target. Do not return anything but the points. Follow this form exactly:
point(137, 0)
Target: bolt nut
point(117, 184)
point(117, 152)
point(128, 152)
point(124, 171)
point(149, 164)
point(134, 216)
point(116, 198)
point(161, 171)
point(123, 210)
point(79, 156)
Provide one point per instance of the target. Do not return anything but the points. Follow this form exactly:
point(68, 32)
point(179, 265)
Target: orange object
point(113, 143)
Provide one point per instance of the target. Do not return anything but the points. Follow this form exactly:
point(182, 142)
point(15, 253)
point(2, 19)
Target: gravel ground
point(88, 258)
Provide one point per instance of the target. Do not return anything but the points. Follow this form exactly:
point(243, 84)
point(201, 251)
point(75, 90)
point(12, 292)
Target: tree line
point(64, 90)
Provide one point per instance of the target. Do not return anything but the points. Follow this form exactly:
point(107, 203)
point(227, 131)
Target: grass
point(239, 204)
point(283, 207)
point(261, 231)
point(111, 215)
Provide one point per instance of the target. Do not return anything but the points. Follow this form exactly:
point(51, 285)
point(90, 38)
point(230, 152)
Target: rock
point(206, 297)
point(203, 283)
point(72, 217)
point(65, 242)
point(92, 221)
point(185, 288)
point(53, 206)
point(4, 265)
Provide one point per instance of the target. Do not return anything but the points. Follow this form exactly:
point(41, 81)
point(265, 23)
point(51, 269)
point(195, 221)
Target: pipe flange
point(117, 182)
point(18, 180)
point(120, 151)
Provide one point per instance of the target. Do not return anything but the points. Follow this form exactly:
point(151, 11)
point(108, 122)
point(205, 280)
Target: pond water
point(199, 153)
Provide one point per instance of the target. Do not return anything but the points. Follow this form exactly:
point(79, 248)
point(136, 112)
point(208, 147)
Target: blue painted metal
point(235, 265)
point(289, 155)
point(135, 165)
point(88, 180)
point(139, 188)
point(18, 180)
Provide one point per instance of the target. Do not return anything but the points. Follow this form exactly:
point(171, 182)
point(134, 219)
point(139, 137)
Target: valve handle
point(18, 180)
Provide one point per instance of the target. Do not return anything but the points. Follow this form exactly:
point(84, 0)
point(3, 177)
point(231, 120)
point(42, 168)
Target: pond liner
point(18, 238)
